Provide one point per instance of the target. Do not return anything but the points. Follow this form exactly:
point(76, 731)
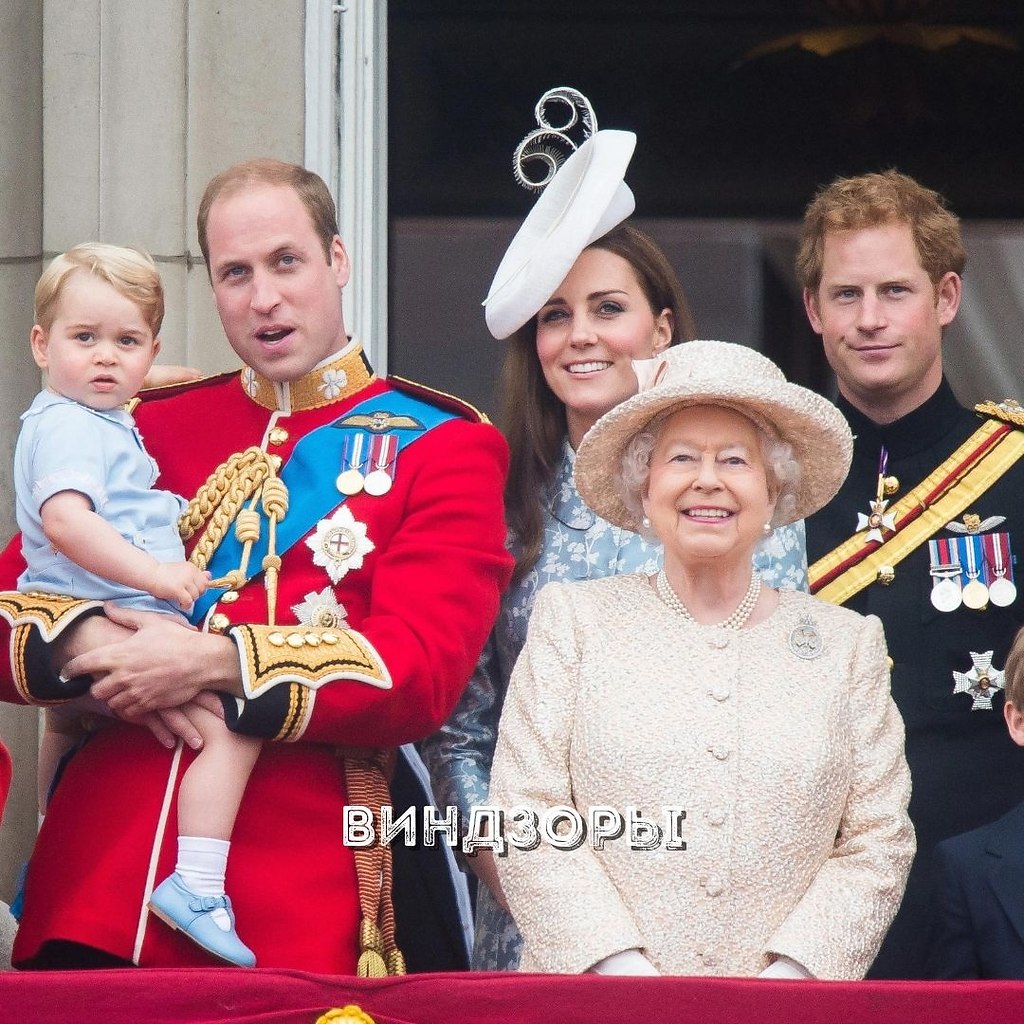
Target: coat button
point(278, 435)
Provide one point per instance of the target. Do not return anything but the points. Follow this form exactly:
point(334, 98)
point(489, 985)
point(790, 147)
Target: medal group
point(972, 569)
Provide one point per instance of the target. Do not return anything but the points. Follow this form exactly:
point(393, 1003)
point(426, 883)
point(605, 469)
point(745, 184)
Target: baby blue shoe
point(178, 906)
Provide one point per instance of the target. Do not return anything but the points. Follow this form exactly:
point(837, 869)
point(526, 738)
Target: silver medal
point(946, 596)
point(1002, 592)
point(377, 483)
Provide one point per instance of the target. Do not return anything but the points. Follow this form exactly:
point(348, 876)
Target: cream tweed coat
point(782, 744)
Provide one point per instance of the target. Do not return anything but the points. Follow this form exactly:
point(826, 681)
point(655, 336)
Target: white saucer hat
point(583, 199)
point(721, 374)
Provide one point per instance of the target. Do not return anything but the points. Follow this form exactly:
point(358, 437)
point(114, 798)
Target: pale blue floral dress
point(578, 545)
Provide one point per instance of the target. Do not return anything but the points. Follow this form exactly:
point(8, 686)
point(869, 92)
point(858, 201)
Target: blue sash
point(309, 475)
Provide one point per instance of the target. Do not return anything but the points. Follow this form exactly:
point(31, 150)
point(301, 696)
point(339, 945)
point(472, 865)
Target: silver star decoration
point(322, 609)
point(339, 544)
point(983, 682)
point(876, 522)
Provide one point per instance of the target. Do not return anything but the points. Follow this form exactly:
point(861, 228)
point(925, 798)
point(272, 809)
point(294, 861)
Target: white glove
point(784, 968)
point(629, 961)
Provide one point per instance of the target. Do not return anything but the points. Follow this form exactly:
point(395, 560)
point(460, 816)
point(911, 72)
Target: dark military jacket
point(966, 771)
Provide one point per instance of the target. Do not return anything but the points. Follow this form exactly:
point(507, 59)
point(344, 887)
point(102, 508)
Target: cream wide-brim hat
point(585, 199)
point(718, 373)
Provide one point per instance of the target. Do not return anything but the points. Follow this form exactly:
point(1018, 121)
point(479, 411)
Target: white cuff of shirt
point(786, 968)
point(628, 961)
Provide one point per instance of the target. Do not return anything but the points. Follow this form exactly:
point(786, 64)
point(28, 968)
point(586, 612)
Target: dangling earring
point(767, 529)
point(645, 523)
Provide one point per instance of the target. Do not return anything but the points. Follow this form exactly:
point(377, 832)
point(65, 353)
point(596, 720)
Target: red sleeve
point(11, 567)
point(432, 600)
point(5, 777)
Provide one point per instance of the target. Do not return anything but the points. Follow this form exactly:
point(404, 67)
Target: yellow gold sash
point(967, 474)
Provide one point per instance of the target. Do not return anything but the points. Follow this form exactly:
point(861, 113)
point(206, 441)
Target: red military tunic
point(5, 777)
point(421, 604)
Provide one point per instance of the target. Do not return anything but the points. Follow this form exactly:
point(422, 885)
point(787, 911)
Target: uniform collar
point(913, 433)
point(337, 377)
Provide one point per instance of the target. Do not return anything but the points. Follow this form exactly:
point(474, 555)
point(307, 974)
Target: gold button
point(890, 485)
point(890, 663)
point(278, 435)
point(219, 622)
point(277, 639)
point(295, 640)
point(886, 574)
point(229, 597)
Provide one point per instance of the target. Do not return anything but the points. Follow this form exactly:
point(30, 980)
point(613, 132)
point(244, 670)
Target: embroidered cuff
point(283, 667)
point(36, 620)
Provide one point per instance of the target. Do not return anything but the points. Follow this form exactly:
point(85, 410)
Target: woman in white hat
point(578, 299)
point(765, 715)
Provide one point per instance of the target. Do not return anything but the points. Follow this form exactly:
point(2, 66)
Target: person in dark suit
point(979, 920)
point(924, 530)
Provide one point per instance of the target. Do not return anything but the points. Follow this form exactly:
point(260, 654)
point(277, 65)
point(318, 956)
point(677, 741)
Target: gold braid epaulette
point(954, 485)
point(1009, 410)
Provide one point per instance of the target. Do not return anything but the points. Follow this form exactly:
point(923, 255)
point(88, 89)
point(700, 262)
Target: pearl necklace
point(736, 621)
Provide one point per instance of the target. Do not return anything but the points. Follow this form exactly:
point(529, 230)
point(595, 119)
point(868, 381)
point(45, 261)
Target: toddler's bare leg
point(212, 788)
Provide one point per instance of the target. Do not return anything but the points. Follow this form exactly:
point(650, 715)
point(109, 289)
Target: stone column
point(113, 116)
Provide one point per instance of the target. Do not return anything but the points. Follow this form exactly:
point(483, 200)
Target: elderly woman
point(764, 714)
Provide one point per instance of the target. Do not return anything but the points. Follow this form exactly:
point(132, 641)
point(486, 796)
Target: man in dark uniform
point(923, 533)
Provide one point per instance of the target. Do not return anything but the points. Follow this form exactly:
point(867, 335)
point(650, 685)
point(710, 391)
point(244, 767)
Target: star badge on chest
point(339, 544)
point(983, 681)
point(323, 610)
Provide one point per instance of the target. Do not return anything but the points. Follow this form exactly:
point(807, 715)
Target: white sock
point(202, 863)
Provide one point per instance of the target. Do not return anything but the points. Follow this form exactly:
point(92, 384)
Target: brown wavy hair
point(533, 418)
point(871, 200)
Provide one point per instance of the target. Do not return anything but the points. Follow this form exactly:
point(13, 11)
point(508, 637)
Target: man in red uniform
point(5, 777)
point(354, 530)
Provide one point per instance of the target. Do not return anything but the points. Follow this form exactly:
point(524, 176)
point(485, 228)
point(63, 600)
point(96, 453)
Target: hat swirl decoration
point(550, 144)
point(582, 197)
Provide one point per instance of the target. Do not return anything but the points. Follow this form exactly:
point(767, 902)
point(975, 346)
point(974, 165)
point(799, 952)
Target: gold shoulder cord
point(249, 476)
point(964, 488)
point(243, 480)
